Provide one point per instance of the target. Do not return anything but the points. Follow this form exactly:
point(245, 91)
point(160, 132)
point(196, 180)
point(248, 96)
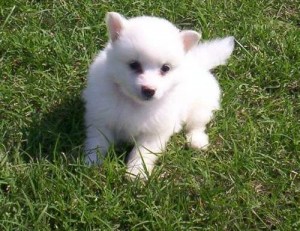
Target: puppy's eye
point(165, 68)
point(136, 66)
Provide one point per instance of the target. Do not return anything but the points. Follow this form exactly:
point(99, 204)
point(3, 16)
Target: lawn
point(249, 179)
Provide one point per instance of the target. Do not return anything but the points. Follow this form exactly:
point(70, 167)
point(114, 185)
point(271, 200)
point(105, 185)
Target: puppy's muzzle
point(147, 92)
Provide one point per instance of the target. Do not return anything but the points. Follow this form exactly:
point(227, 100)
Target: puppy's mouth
point(140, 96)
point(147, 98)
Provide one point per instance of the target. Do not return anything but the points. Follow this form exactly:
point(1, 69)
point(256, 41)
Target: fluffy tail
point(215, 52)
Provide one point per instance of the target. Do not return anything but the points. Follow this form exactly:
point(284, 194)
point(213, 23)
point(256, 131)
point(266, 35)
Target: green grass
point(249, 179)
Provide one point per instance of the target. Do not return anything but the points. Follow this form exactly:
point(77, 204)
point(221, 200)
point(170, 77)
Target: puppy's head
point(144, 52)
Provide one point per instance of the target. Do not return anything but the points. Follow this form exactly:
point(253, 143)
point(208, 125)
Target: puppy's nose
point(147, 92)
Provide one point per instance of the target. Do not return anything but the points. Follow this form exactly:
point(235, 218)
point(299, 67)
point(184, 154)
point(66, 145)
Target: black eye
point(136, 66)
point(165, 68)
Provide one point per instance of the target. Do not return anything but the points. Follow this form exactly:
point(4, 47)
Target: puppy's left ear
point(115, 24)
point(189, 38)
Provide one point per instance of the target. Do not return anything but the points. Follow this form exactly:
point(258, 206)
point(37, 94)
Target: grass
point(249, 179)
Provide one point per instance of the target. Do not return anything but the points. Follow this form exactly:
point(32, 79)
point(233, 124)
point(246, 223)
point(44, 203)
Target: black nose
point(147, 92)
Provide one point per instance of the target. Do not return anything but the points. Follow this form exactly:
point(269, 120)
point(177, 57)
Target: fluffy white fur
point(180, 90)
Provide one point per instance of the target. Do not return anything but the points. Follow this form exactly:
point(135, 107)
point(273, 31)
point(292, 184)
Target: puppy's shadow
point(58, 133)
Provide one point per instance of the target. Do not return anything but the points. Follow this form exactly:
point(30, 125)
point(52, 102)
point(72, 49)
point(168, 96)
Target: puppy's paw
point(136, 173)
point(139, 169)
point(198, 140)
point(91, 159)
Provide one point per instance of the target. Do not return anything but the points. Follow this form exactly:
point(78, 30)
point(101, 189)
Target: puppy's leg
point(143, 156)
point(197, 138)
point(196, 125)
point(96, 145)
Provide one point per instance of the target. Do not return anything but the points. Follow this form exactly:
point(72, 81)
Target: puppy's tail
point(214, 53)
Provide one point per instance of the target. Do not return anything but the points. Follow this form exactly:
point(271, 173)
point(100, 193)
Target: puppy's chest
point(129, 120)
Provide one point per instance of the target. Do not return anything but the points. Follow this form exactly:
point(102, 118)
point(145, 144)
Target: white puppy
point(150, 81)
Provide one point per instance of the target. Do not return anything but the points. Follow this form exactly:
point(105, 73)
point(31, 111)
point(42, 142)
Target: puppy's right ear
point(189, 38)
point(115, 24)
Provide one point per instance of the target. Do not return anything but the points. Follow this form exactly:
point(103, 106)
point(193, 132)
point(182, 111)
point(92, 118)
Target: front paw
point(198, 140)
point(136, 172)
point(92, 159)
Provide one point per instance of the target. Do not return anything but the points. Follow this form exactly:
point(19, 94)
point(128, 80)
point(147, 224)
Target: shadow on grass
point(58, 134)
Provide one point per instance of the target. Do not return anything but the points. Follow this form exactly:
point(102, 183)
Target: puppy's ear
point(189, 38)
point(115, 23)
